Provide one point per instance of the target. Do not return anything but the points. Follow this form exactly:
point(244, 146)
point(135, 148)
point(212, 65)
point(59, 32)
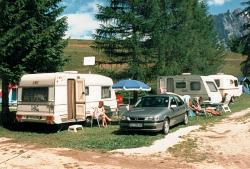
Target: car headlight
point(125, 118)
point(152, 118)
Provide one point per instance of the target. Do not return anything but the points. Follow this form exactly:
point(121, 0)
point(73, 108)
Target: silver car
point(155, 113)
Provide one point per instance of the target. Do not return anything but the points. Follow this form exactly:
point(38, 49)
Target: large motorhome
point(227, 84)
point(193, 85)
point(62, 97)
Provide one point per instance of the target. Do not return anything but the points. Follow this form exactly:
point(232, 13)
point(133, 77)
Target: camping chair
point(225, 104)
point(97, 117)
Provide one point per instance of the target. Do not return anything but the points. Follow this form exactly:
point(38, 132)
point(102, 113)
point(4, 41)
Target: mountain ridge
point(229, 24)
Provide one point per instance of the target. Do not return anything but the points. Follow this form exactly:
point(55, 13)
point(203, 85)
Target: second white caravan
point(62, 97)
point(193, 85)
point(227, 84)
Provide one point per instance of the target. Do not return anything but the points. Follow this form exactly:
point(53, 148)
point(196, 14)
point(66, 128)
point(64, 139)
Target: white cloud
point(217, 2)
point(81, 26)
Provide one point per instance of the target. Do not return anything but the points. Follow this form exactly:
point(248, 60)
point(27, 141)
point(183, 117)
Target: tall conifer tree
point(30, 40)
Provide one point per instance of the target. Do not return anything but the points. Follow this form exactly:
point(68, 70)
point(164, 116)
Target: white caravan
point(227, 84)
point(192, 85)
point(62, 97)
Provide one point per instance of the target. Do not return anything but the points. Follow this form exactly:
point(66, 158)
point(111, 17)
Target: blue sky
point(82, 22)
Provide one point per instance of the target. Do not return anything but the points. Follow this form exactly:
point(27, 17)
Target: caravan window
point(195, 86)
point(35, 94)
point(180, 85)
point(86, 90)
point(212, 87)
point(217, 81)
point(236, 83)
point(106, 92)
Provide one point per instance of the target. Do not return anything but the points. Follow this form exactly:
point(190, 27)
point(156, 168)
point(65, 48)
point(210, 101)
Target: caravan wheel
point(88, 121)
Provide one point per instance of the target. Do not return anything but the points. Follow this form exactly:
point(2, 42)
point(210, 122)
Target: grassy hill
point(77, 49)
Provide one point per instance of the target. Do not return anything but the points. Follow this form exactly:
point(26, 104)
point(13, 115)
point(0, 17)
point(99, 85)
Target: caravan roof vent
point(73, 72)
point(186, 73)
point(220, 73)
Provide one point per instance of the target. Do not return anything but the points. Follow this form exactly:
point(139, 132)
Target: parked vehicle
point(155, 113)
point(193, 85)
point(227, 84)
point(62, 97)
point(12, 89)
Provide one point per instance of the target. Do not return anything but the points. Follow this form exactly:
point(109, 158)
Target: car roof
point(164, 94)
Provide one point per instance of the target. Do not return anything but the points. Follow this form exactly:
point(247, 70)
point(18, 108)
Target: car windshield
point(153, 102)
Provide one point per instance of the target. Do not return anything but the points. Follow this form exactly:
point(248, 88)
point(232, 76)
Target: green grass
point(232, 64)
point(88, 138)
point(111, 138)
point(77, 49)
point(186, 150)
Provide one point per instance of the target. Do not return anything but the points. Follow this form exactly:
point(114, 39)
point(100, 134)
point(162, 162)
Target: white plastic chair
point(95, 116)
point(225, 104)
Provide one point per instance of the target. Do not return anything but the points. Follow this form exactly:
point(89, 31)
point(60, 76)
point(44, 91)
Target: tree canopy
point(159, 37)
point(30, 39)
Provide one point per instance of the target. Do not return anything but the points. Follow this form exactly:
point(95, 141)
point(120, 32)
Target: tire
point(165, 127)
point(185, 121)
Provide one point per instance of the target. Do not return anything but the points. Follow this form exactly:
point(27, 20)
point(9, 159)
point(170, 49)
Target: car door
point(181, 109)
point(173, 111)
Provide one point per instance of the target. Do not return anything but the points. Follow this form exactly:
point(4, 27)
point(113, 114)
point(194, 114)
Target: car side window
point(173, 102)
point(179, 101)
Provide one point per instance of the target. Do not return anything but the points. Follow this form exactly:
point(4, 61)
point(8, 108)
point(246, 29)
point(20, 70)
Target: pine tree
point(120, 36)
point(169, 36)
point(30, 40)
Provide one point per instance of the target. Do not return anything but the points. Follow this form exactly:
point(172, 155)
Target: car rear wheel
point(185, 121)
point(166, 127)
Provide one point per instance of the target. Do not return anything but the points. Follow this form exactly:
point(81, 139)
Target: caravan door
point(170, 85)
point(80, 99)
point(76, 99)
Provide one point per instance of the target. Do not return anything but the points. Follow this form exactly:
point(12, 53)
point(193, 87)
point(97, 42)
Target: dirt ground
point(223, 145)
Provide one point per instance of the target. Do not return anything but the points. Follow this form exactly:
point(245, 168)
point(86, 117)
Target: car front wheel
point(166, 127)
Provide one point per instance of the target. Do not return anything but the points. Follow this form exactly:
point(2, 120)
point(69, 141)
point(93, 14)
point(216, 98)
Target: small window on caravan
point(106, 92)
point(180, 85)
point(217, 81)
point(231, 82)
point(236, 83)
point(35, 94)
point(13, 97)
point(86, 90)
point(212, 87)
point(195, 86)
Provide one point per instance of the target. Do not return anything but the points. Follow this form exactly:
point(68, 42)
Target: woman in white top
point(100, 111)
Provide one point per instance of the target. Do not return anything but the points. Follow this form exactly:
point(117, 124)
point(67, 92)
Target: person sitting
point(100, 111)
point(209, 109)
point(193, 109)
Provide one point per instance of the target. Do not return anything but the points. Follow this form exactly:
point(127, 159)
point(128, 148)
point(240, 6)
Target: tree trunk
point(5, 103)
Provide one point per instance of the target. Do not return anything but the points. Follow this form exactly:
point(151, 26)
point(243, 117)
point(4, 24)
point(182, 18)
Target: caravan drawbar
point(62, 97)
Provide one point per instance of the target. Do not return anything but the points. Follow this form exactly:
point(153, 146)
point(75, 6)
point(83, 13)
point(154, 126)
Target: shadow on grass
point(137, 132)
point(36, 127)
